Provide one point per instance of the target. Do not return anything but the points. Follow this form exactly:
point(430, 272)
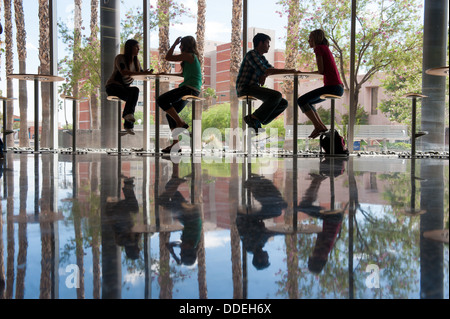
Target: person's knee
point(305, 107)
point(161, 102)
point(134, 90)
point(277, 96)
point(284, 104)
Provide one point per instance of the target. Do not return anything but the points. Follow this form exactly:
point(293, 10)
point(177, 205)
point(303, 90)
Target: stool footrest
point(113, 98)
point(247, 97)
point(192, 98)
point(330, 96)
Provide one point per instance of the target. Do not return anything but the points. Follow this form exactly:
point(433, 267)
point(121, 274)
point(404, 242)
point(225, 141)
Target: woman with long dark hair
point(171, 102)
point(119, 84)
point(331, 79)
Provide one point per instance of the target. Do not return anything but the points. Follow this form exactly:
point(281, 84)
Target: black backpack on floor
point(339, 143)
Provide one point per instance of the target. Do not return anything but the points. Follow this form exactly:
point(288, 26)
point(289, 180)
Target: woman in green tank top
point(172, 102)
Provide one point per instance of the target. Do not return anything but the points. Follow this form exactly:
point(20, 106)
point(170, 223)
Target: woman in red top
point(331, 80)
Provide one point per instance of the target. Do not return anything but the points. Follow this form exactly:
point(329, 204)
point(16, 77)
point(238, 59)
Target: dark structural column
point(110, 45)
point(433, 121)
point(434, 55)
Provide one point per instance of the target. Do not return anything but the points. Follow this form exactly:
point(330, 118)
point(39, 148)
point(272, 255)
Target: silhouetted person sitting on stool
point(189, 216)
point(121, 212)
point(250, 225)
point(331, 224)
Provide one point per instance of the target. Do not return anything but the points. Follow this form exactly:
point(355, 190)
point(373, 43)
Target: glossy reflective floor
point(104, 226)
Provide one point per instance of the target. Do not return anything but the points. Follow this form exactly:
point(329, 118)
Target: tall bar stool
point(193, 99)
point(119, 120)
point(5, 131)
point(414, 134)
point(333, 98)
point(75, 101)
point(248, 99)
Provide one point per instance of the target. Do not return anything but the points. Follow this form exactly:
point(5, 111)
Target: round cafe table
point(36, 78)
point(158, 78)
point(296, 76)
point(439, 71)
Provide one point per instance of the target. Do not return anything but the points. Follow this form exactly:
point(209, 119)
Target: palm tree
point(235, 61)
point(201, 12)
point(94, 40)
point(163, 24)
point(9, 68)
point(77, 22)
point(44, 58)
point(164, 45)
point(22, 55)
point(291, 52)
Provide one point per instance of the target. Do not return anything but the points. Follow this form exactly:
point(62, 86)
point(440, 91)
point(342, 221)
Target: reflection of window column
point(373, 100)
point(370, 182)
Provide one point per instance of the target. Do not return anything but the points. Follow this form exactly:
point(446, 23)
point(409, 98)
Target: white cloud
point(216, 31)
point(31, 47)
point(216, 239)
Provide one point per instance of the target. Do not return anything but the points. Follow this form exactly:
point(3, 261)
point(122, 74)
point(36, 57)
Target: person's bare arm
point(183, 56)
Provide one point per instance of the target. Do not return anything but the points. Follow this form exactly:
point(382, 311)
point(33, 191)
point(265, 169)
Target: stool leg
point(249, 136)
point(119, 137)
point(332, 128)
point(413, 128)
point(74, 131)
point(193, 130)
point(244, 125)
point(4, 126)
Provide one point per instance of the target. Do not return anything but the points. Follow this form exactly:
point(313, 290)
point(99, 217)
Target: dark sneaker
point(254, 124)
point(129, 118)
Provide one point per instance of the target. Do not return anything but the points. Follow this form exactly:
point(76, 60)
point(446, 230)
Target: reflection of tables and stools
point(440, 235)
point(157, 77)
point(414, 135)
point(412, 210)
point(37, 78)
point(75, 101)
point(296, 76)
point(5, 131)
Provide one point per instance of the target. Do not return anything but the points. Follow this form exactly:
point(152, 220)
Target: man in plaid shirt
point(252, 75)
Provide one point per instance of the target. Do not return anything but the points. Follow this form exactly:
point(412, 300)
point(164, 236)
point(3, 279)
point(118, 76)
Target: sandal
point(168, 149)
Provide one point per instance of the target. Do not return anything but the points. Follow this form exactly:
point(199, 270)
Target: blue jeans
point(173, 99)
point(307, 101)
point(273, 103)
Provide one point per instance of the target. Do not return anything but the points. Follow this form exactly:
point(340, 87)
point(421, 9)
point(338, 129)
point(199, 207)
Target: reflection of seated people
point(189, 216)
point(122, 212)
point(330, 226)
point(263, 190)
point(1, 167)
point(251, 227)
point(254, 236)
point(339, 166)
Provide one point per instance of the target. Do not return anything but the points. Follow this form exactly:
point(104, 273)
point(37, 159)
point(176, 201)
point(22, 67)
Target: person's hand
point(177, 41)
point(262, 79)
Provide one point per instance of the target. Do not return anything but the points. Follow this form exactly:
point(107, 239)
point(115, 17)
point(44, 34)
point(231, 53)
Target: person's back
point(252, 68)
